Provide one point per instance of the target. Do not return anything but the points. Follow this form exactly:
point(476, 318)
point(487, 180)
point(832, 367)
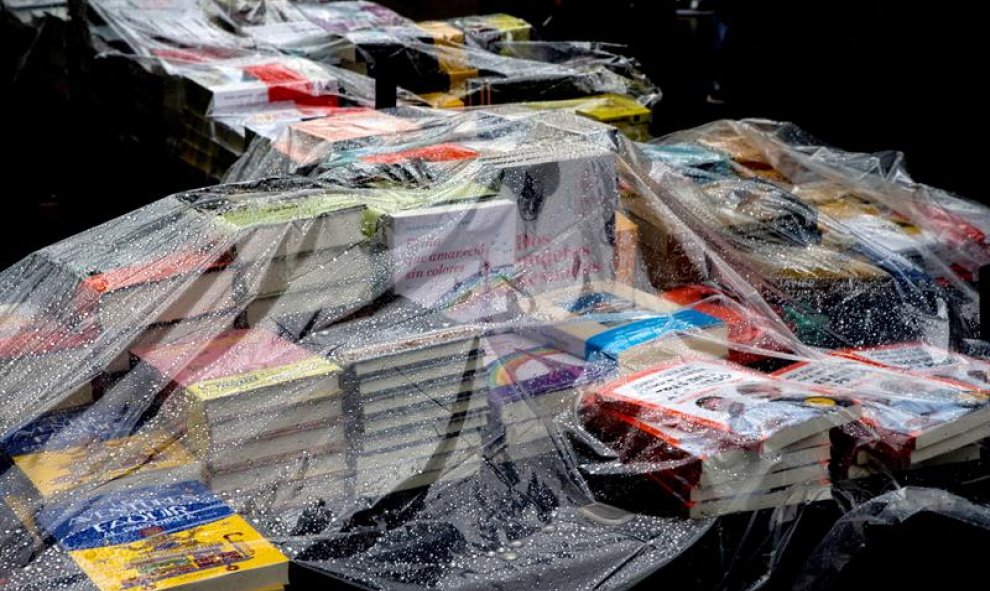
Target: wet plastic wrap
point(198, 80)
point(417, 349)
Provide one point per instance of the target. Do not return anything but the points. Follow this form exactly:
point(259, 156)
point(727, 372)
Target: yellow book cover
point(179, 536)
point(262, 378)
point(57, 471)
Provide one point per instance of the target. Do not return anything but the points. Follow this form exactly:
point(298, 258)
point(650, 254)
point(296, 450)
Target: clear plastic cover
point(504, 345)
point(433, 349)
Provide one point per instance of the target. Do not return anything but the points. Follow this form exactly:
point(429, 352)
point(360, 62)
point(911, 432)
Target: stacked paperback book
point(915, 409)
point(255, 409)
point(127, 509)
point(416, 386)
point(715, 437)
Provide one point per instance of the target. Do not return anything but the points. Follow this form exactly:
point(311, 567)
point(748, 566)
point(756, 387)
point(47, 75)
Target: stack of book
point(608, 322)
point(212, 89)
point(717, 438)
point(188, 538)
point(908, 417)
point(416, 388)
point(300, 255)
point(152, 292)
point(37, 351)
point(258, 410)
point(530, 385)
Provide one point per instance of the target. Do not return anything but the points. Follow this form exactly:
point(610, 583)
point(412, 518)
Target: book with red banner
point(703, 471)
point(307, 142)
point(752, 409)
point(908, 418)
point(925, 359)
point(231, 85)
point(201, 280)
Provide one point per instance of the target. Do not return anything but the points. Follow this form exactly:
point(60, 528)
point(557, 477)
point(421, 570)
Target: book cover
point(437, 249)
point(925, 359)
point(902, 412)
point(235, 361)
point(293, 223)
point(520, 368)
point(307, 142)
point(755, 409)
point(229, 85)
point(176, 536)
point(612, 321)
point(101, 462)
point(559, 250)
point(71, 427)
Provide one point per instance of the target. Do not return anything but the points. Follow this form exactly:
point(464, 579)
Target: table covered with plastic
point(491, 348)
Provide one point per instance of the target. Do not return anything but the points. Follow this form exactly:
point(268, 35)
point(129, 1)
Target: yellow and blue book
point(178, 536)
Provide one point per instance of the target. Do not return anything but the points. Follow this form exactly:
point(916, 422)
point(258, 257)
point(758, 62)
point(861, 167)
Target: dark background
point(860, 74)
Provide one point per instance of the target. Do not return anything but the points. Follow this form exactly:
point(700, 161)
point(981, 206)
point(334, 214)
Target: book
point(228, 85)
point(962, 455)
point(37, 350)
point(400, 333)
point(754, 409)
point(71, 427)
point(626, 249)
point(291, 223)
point(154, 288)
point(543, 179)
point(702, 471)
point(245, 379)
point(348, 273)
point(925, 359)
point(173, 536)
point(903, 413)
point(201, 327)
point(298, 313)
point(238, 368)
point(342, 17)
point(292, 469)
point(308, 142)
point(274, 448)
point(434, 250)
point(106, 465)
point(612, 322)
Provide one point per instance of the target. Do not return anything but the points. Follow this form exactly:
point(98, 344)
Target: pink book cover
point(230, 353)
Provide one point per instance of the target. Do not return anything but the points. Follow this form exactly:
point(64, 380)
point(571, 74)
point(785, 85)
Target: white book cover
point(438, 251)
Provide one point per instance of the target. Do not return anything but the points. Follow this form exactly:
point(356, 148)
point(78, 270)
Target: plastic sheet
point(432, 349)
point(199, 80)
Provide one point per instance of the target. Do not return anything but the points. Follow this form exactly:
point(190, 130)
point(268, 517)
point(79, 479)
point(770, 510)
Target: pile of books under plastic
point(422, 337)
point(200, 80)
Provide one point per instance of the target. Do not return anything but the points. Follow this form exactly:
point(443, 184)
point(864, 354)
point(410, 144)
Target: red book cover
point(743, 325)
point(25, 331)
point(436, 153)
point(745, 405)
